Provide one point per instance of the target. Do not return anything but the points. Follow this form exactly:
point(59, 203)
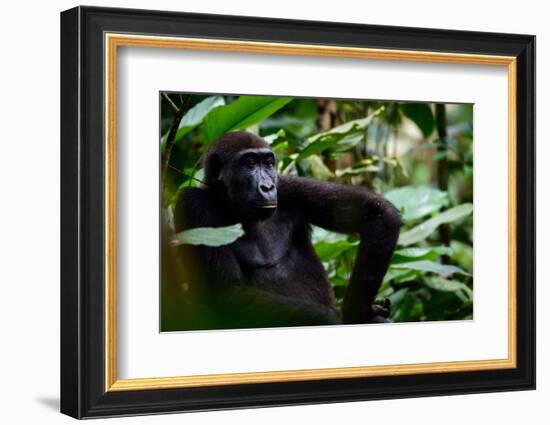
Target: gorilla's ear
point(212, 168)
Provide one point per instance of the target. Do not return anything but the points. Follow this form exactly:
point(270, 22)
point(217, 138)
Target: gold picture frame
point(114, 41)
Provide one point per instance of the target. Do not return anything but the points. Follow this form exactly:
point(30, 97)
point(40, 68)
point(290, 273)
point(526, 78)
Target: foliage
point(209, 236)
point(394, 148)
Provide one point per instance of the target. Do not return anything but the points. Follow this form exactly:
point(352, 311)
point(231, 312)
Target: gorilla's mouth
point(266, 206)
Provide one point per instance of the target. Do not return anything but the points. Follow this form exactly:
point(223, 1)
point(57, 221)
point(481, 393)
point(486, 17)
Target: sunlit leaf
point(318, 234)
point(245, 112)
point(398, 296)
point(329, 245)
point(339, 138)
point(463, 291)
point(430, 266)
point(398, 274)
point(422, 231)
point(316, 167)
point(330, 250)
point(417, 202)
point(417, 253)
point(195, 116)
point(275, 137)
point(355, 171)
point(209, 236)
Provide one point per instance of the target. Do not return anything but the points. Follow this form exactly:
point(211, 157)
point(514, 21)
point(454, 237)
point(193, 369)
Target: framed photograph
point(261, 212)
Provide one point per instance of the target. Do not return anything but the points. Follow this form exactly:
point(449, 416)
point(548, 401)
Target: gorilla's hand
point(368, 312)
point(380, 311)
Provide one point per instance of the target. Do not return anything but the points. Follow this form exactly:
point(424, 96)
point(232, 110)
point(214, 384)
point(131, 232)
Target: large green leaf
point(398, 296)
point(422, 231)
point(461, 290)
point(417, 253)
point(209, 236)
point(430, 266)
point(298, 127)
point(360, 167)
point(329, 245)
point(421, 115)
point(445, 285)
point(194, 117)
point(417, 202)
point(245, 112)
point(328, 251)
point(318, 234)
point(315, 167)
point(399, 275)
point(338, 139)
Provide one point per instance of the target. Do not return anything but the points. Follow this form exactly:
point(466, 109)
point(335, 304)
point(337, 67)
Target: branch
point(178, 115)
point(170, 102)
point(443, 169)
point(189, 176)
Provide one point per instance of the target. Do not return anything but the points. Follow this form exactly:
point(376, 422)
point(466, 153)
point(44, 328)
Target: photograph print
point(289, 211)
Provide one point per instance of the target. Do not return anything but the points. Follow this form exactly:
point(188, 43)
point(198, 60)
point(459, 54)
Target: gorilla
point(271, 276)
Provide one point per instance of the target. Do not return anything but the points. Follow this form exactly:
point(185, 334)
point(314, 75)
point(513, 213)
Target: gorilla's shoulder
point(196, 207)
point(292, 190)
point(292, 185)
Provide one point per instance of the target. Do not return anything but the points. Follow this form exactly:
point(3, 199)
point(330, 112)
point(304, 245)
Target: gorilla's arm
point(349, 209)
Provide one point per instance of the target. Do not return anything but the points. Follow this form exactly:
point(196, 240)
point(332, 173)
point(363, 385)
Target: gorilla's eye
point(269, 162)
point(249, 161)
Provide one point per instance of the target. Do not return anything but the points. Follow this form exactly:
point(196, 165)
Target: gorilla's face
point(250, 180)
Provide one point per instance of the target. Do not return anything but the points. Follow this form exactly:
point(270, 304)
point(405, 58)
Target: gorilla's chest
point(264, 246)
point(278, 257)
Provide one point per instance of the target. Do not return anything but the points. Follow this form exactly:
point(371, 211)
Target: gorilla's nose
point(266, 188)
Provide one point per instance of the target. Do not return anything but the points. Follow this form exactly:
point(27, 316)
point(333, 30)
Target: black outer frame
point(82, 211)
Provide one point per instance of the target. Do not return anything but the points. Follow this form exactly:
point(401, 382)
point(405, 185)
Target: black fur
point(271, 276)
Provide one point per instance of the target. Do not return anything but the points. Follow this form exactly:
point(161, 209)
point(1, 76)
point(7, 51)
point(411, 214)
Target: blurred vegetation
point(417, 155)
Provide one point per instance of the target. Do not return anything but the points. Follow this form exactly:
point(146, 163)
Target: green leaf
point(275, 137)
point(194, 117)
point(360, 167)
point(398, 296)
point(421, 115)
point(340, 138)
point(355, 171)
point(430, 266)
point(329, 245)
point(416, 253)
point(346, 143)
point(316, 167)
point(209, 236)
point(245, 112)
point(463, 254)
point(327, 141)
point(417, 202)
point(298, 127)
point(444, 285)
point(329, 250)
point(318, 234)
point(281, 149)
point(422, 231)
point(462, 291)
point(398, 275)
